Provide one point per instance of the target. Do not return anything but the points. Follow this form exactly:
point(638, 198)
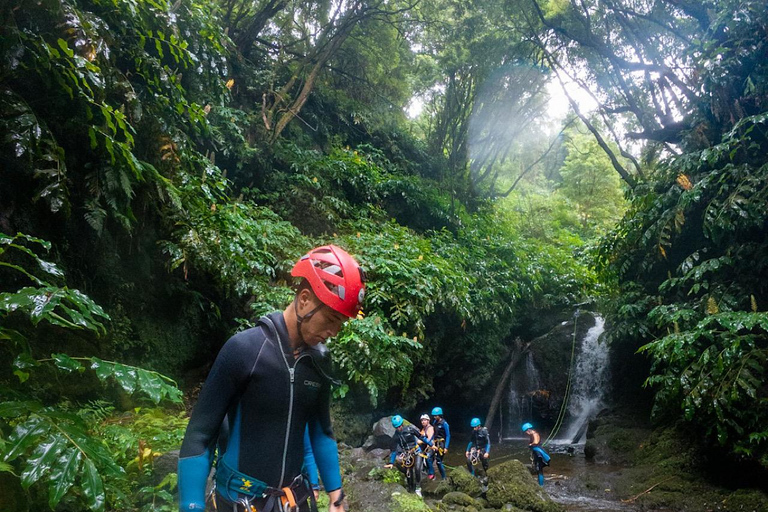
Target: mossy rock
point(461, 481)
point(406, 502)
point(511, 483)
point(747, 500)
point(460, 499)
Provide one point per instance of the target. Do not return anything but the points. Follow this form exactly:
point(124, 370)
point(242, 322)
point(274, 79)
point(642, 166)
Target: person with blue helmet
point(406, 452)
point(479, 446)
point(538, 455)
point(442, 439)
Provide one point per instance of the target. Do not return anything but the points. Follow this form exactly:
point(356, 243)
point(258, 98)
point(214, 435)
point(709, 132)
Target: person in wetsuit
point(269, 386)
point(427, 431)
point(442, 438)
point(406, 452)
point(539, 456)
point(480, 442)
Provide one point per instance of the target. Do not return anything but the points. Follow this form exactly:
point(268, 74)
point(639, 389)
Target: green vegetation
point(173, 159)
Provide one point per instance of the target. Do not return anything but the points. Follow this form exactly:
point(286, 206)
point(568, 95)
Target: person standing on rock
point(442, 438)
point(268, 385)
point(539, 456)
point(427, 431)
point(479, 446)
point(406, 452)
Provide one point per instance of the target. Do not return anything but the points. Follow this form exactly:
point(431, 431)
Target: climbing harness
point(564, 406)
point(285, 499)
point(406, 459)
point(474, 456)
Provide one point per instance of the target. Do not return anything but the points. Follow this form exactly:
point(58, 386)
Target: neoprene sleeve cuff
point(193, 475)
point(326, 457)
point(310, 466)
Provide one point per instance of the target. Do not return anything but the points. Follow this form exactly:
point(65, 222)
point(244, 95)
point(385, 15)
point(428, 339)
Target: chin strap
point(300, 318)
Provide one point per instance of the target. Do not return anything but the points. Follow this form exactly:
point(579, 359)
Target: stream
point(571, 480)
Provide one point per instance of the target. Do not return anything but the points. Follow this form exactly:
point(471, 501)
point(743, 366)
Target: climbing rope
point(564, 406)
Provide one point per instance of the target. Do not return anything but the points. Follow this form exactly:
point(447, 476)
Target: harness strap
point(289, 497)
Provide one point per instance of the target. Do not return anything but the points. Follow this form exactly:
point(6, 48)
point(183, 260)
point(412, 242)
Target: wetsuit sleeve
point(447, 434)
point(487, 444)
point(469, 446)
point(229, 372)
point(324, 445)
point(310, 466)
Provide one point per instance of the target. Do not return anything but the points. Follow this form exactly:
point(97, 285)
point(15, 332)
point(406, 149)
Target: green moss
point(404, 502)
point(462, 481)
point(460, 499)
point(512, 483)
point(747, 500)
point(387, 475)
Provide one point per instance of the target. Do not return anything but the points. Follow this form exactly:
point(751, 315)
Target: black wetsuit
point(442, 440)
point(405, 440)
point(269, 398)
point(480, 441)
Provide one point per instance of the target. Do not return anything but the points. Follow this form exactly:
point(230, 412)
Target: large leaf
point(66, 363)
point(93, 486)
point(25, 435)
point(63, 475)
point(42, 459)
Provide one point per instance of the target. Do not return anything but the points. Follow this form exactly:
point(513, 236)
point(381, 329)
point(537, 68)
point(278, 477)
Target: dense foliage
point(179, 156)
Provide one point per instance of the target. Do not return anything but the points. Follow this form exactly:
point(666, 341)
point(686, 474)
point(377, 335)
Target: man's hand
point(387, 466)
point(486, 455)
point(335, 496)
point(466, 454)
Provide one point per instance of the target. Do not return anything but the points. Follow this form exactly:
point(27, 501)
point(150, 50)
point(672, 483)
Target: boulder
point(383, 432)
point(460, 499)
point(461, 481)
point(165, 464)
point(511, 483)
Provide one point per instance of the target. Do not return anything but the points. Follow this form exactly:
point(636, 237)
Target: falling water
point(588, 384)
point(520, 404)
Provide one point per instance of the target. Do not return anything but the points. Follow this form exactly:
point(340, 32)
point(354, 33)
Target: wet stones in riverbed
point(511, 483)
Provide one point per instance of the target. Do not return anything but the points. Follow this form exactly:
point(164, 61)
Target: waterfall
point(588, 384)
point(522, 385)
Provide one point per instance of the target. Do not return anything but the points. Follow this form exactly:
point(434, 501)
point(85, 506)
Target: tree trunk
point(517, 354)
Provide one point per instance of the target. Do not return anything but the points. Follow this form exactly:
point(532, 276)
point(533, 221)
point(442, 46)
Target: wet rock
point(460, 499)
point(383, 431)
point(461, 481)
point(12, 496)
point(378, 453)
point(511, 483)
point(165, 464)
point(384, 428)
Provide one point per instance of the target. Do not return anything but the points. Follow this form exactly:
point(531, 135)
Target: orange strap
point(290, 497)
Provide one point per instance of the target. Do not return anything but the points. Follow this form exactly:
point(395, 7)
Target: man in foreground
point(267, 386)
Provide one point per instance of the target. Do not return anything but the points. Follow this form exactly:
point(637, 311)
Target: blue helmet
point(437, 411)
point(526, 426)
point(397, 420)
point(475, 422)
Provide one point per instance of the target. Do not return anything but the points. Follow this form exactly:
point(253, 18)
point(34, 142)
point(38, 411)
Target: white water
point(589, 382)
point(520, 402)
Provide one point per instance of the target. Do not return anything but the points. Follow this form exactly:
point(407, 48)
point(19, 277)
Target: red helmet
point(335, 277)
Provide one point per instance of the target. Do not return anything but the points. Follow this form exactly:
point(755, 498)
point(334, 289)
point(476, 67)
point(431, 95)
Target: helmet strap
point(302, 318)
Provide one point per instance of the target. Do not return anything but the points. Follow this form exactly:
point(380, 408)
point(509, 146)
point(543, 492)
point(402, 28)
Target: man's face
point(325, 323)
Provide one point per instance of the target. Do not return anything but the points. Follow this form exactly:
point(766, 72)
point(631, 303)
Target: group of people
point(263, 415)
point(414, 450)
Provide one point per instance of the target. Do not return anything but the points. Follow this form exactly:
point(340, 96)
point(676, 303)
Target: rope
point(564, 407)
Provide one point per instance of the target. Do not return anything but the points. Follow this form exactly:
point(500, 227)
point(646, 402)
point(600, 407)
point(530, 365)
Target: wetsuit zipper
point(292, 377)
